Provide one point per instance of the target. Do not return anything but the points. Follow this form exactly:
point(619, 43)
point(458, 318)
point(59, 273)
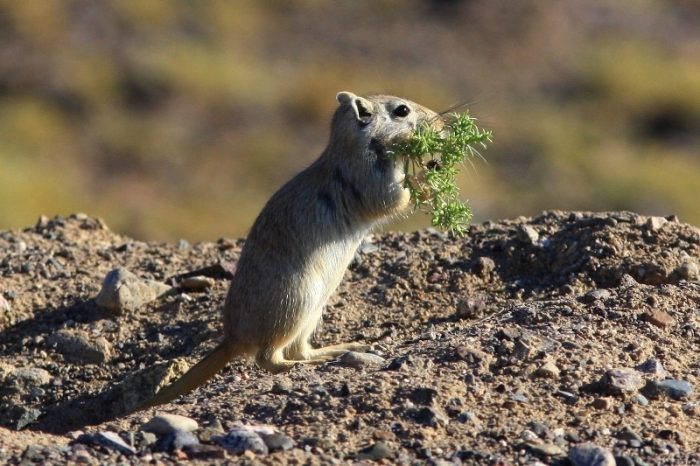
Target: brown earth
point(494, 344)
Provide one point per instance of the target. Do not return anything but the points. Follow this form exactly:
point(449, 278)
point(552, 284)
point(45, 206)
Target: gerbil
point(305, 237)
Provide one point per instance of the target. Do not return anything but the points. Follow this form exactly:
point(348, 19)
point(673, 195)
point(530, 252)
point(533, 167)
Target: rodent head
point(384, 118)
point(363, 131)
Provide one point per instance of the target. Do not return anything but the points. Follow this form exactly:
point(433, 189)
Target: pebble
point(25, 416)
point(539, 428)
point(77, 346)
point(204, 452)
point(640, 399)
point(653, 366)
point(675, 389)
point(545, 449)
point(596, 295)
point(471, 308)
point(528, 234)
point(569, 398)
point(472, 355)
point(164, 423)
point(278, 442)
point(198, 283)
point(4, 304)
point(109, 440)
point(589, 454)
point(548, 370)
point(241, 439)
point(359, 360)
point(655, 223)
point(428, 416)
point(176, 440)
point(378, 451)
point(689, 271)
point(124, 291)
point(484, 266)
point(29, 377)
point(602, 404)
point(659, 318)
point(621, 380)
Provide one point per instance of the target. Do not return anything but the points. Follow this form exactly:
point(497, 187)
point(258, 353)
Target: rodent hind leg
point(305, 352)
point(339, 349)
point(273, 360)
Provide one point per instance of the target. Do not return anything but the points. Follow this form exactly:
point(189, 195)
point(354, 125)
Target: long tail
point(196, 376)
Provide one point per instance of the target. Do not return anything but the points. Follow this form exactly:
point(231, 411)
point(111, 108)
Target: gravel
point(488, 349)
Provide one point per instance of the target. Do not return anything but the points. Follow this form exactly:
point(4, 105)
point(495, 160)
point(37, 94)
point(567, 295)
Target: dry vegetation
point(178, 119)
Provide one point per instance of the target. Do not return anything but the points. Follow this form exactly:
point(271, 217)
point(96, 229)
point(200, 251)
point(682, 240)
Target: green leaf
point(431, 162)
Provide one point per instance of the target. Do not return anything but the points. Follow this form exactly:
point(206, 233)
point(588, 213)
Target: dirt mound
point(522, 341)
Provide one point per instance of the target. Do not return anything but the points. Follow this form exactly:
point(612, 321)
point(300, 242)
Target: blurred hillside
point(174, 119)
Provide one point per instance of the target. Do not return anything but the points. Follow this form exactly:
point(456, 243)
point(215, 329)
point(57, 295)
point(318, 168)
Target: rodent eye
point(401, 111)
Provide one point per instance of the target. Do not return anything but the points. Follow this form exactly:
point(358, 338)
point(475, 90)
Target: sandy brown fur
point(305, 237)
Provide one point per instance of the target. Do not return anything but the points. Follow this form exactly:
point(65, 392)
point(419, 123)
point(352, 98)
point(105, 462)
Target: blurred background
point(178, 119)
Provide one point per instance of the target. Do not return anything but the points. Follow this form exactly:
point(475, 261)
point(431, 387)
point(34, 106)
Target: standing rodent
point(305, 237)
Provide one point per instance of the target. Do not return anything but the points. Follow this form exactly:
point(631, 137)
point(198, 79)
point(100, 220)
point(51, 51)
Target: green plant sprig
point(431, 160)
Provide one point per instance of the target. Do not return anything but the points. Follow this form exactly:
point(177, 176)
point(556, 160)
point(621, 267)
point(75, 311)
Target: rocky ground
point(569, 338)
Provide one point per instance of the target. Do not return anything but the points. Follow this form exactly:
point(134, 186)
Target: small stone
point(77, 346)
point(640, 399)
point(626, 433)
point(529, 436)
point(523, 350)
point(385, 435)
point(539, 428)
point(589, 454)
point(4, 304)
point(689, 271)
point(198, 283)
point(621, 380)
point(548, 370)
point(34, 454)
point(164, 423)
point(545, 449)
point(661, 319)
point(655, 223)
point(281, 387)
point(472, 355)
point(25, 416)
point(378, 451)
point(278, 442)
point(602, 404)
point(176, 440)
point(524, 315)
point(26, 378)
point(627, 281)
point(675, 389)
point(183, 244)
point(484, 266)
point(528, 234)
point(148, 438)
point(471, 308)
point(468, 417)
point(241, 439)
point(569, 398)
point(359, 360)
point(653, 366)
point(123, 291)
point(204, 452)
point(110, 440)
point(428, 416)
point(596, 295)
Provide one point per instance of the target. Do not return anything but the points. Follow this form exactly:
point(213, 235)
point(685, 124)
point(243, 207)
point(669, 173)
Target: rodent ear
point(361, 107)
